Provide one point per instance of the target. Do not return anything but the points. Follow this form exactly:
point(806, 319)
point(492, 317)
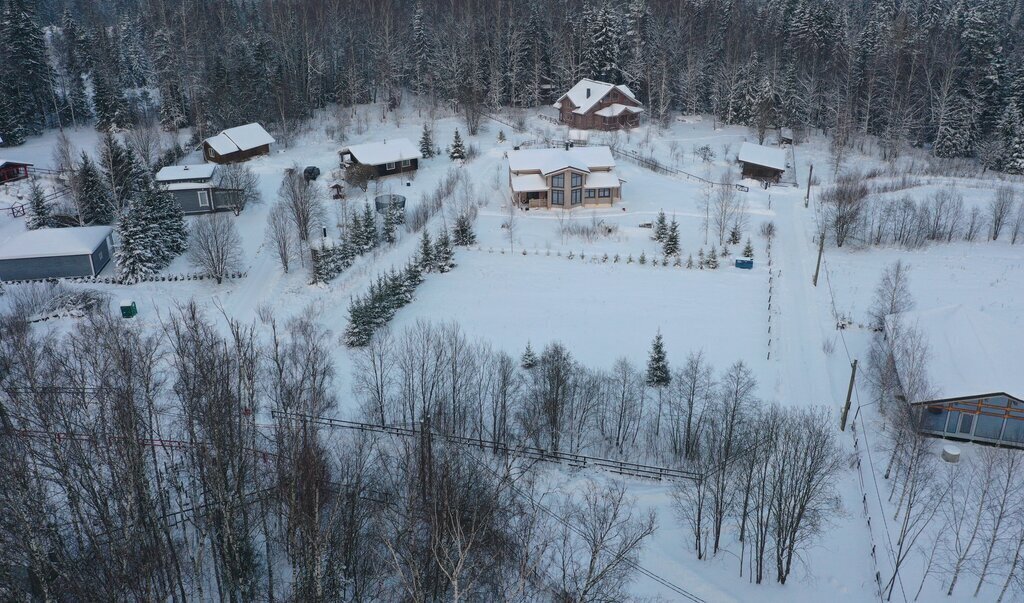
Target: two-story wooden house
point(594, 105)
point(563, 177)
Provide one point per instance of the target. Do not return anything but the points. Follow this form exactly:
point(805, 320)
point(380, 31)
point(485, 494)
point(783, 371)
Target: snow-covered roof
point(547, 161)
point(787, 133)
point(607, 179)
point(615, 109)
point(587, 93)
point(200, 171)
point(970, 351)
point(763, 156)
point(240, 138)
point(385, 151)
point(54, 242)
point(4, 162)
point(529, 183)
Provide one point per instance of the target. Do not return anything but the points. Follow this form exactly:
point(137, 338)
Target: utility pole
point(849, 394)
point(807, 196)
point(821, 250)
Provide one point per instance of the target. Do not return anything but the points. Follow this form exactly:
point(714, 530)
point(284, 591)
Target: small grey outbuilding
point(56, 253)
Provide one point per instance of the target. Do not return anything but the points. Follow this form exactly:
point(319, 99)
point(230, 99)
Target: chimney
point(588, 92)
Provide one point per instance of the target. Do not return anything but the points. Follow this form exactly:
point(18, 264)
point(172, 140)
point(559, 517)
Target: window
point(577, 180)
point(558, 181)
point(604, 192)
point(591, 193)
point(406, 162)
point(204, 199)
point(558, 197)
point(390, 166)
point(933, 418)
point(966, 421)
point(577, 196)
point(954, 420)
point(988, 427)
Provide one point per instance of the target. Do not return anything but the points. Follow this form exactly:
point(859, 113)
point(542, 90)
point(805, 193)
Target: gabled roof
point(546, 161)
point(199, 171)
point(386, 151)
point(240, 138)
point(970, 351)
point(615, 109)
point(579, 97)
point(54, 242)
point(763, 156)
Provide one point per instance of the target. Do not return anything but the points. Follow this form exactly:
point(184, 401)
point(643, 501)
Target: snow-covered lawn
point(600, 311)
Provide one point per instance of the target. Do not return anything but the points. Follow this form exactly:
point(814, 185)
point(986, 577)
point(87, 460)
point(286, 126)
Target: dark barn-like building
point(395, 156)
point(237, 144)
point(761, 162)
point(194, 188)
point(56, 253)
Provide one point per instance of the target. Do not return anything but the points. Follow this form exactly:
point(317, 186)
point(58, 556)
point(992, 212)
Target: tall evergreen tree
point(426, 256)
point(463, 233)
point(426, 142)
point(27, 81)
point(670, 246)
point(124, 175)
point(135, 255)
point(658, 374)
point(529, 359)
point(38, 208)
point(458, 148)
point(660, 227)
point(93, 198)
point(443, 253)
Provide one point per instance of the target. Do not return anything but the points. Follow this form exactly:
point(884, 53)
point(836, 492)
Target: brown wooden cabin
point(237, 144)
point(594, 105)
point(762, 163)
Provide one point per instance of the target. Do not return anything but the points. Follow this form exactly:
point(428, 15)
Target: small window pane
point(954, 421)
point(966, 421)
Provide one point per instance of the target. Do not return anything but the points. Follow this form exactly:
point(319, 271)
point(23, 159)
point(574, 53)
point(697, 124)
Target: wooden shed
point(761, 162)
point(195, 189)
point(11, 170)
point(237, 144)
point(56, 253)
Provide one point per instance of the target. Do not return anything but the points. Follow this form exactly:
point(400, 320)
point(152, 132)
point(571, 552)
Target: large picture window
point(558, 197)
point(558, 181)
point(577, 196)
point(577, 180)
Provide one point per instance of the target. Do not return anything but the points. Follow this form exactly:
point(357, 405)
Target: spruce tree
point(458, 149)
point(1011, 128)
point(170, 236)
point(701, 259)
point(135, 258)
point(357, 234)
point(748, 250)
point(27, 80)
point(426, 252)
point(125, 177)
point(443, 253)
point(529, 358)
point(464, 235)
point(369, 225)
point(712, 258)
point(658, 374)
point(111, 113)
point(670, 245)
point(389, 230)
point(426, 142)
point(39, 210)
point(660, 227)
point(734, 236)
point(95, 203)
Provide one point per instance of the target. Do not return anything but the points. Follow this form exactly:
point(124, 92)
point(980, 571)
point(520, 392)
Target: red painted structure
point(13, 170)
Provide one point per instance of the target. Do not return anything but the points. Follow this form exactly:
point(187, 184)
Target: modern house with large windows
point(563, 178)
point(972, 382)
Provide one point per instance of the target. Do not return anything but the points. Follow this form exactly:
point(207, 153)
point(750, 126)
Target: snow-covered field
point(527, 289)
